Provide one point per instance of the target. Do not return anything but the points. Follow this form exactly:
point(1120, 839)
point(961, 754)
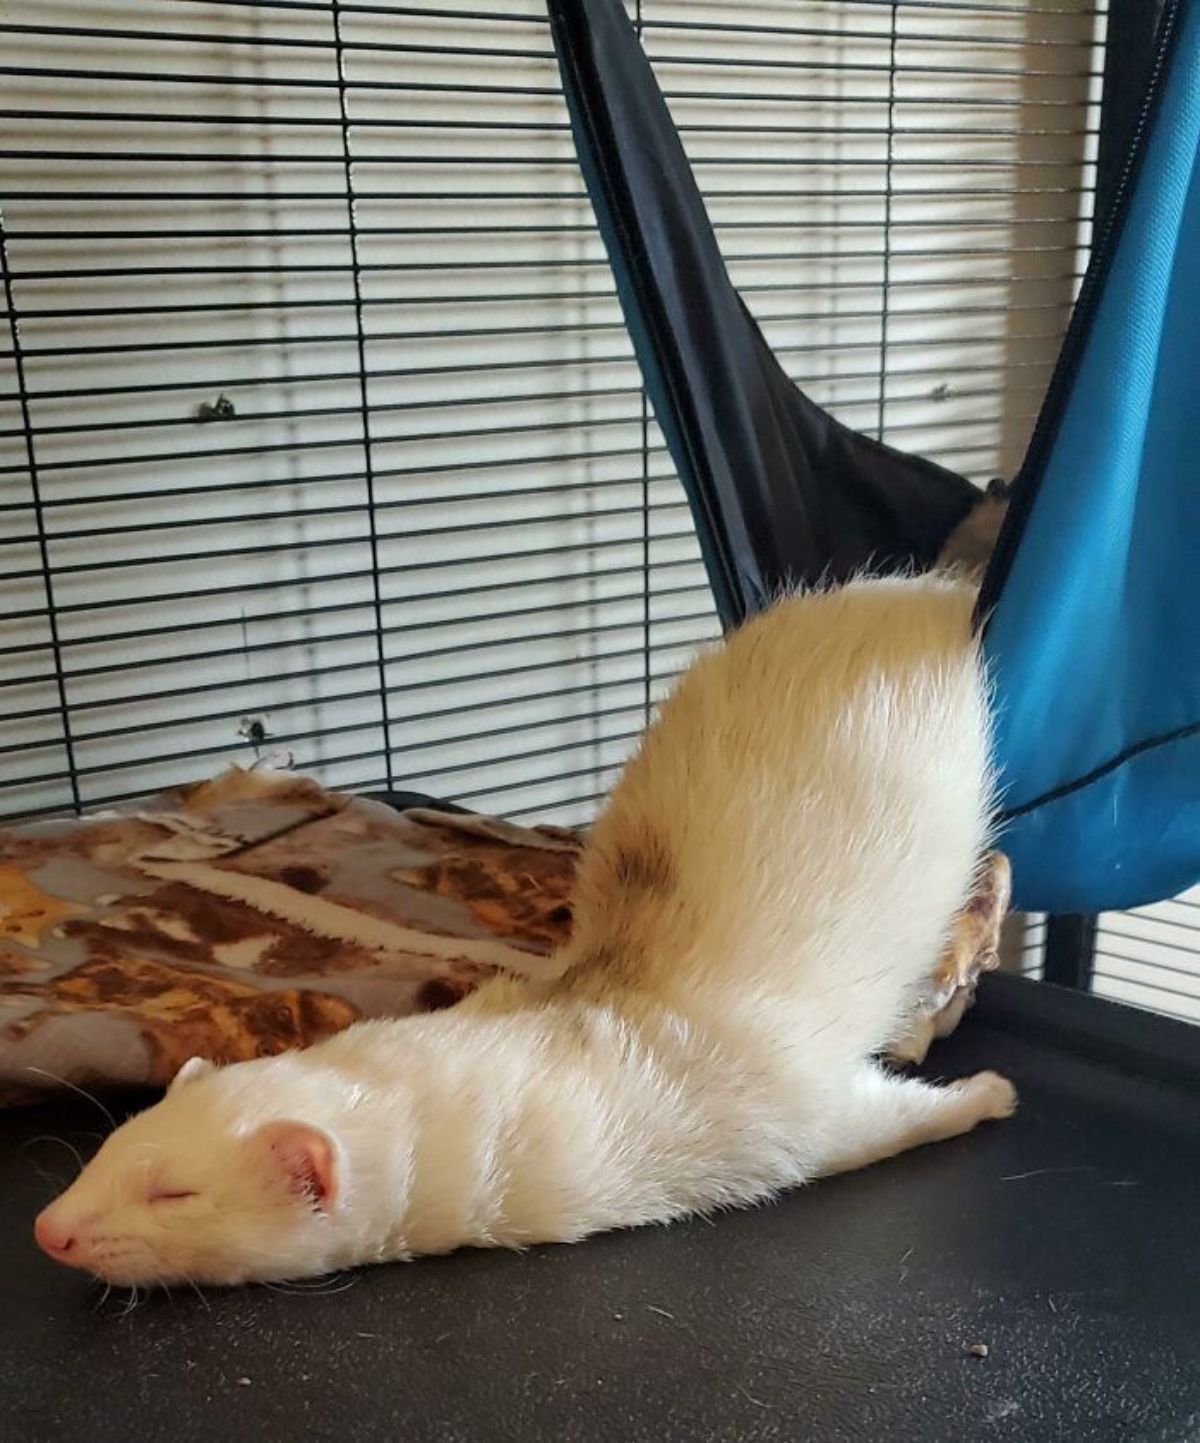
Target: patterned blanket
point(250, 914)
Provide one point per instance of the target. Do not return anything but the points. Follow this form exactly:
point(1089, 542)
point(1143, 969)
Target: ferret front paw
point(995, 1095)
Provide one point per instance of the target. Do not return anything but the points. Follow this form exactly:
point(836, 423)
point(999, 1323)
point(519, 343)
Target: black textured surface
point(1066, 1240)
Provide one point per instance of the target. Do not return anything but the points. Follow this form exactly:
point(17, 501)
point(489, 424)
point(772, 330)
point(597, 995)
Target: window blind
point(1150, 957)
point(319, 428)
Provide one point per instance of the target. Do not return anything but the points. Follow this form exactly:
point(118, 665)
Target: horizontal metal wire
point(972, 6)
point(287, 740)
point(373, 780)
point(279, 740)
point(505, 788)
point(406, 537)
point(531, 427)
point(272, 548)
point(902, 37)
point(559, 749)
point(382, 408)
point(962, 195)
point(356, 508)
point(597, 487)
point(521, 728)
point(796, 287)
point(446, 50)
point(293, 739)
point(541, 163)
point(459, 401)
point(366, 781)
point(563, 458)
point(525, 699)
point(75, 673)
point(306, 514)
point(844, 407)
point(647, 23)
point(1023, 103)
point(252, 343)
point(499, 228)
point(625, 356)
point(881, 67)
point(194, 594)
point(254, 129)
point(576, 808)
point(350, 8)
point(547, 811)
point(430, 684)
point(550, 263)
point(498, 612)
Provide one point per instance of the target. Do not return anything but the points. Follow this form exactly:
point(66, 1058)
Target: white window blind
point(1151, 957)
point(430, 535)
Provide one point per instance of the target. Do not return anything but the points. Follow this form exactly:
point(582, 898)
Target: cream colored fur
point(759, 911)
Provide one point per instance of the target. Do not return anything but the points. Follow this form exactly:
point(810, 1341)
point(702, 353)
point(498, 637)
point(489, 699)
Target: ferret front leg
point(974, 948)
point(879, 1115)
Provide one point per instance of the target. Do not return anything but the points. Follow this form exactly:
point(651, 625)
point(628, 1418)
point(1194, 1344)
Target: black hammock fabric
point(782, 492)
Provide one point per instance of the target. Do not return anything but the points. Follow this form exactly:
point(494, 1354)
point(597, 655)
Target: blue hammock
point(1091, 622)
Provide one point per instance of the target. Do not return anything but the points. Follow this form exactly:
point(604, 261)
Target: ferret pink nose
point(53, 1236)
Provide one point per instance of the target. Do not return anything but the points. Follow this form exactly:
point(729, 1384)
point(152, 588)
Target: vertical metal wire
point(18, 356)
point(881, 418)
point(363, 387)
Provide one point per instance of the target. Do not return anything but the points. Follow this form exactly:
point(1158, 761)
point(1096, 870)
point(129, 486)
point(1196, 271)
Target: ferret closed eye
point(760, 911)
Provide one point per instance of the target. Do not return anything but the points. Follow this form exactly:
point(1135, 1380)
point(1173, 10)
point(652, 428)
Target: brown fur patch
point(604, 961)
point(645, 866)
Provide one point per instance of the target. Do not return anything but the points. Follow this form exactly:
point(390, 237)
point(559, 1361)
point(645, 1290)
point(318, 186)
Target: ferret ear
point(193, 1068)
point(306, 1157)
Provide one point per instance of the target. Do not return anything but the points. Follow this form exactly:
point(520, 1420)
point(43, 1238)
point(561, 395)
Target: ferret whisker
point(51, 1179)
point(131, 1302)
point(195, 1287)
point(62, 1142)
point(108, 1287)
point(329, 1292)
point(316, 1288)
point(80, 1091)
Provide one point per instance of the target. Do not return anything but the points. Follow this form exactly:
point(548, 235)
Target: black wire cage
point(322, 433)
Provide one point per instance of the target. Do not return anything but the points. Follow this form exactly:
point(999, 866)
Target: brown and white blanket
point(251, 914)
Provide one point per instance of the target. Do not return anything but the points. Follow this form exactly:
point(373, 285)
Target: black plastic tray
point(1067, 1241)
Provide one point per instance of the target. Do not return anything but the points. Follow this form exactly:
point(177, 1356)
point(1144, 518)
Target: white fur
point(758, 911)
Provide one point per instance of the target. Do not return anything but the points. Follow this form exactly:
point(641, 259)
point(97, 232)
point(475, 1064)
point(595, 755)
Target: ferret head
point(209, 1185)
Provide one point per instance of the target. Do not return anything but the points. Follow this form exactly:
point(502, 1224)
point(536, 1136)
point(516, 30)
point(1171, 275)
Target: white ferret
point(758, 912)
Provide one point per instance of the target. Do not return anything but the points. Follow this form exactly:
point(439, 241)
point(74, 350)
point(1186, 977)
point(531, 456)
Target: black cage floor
point(1067, 1241)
